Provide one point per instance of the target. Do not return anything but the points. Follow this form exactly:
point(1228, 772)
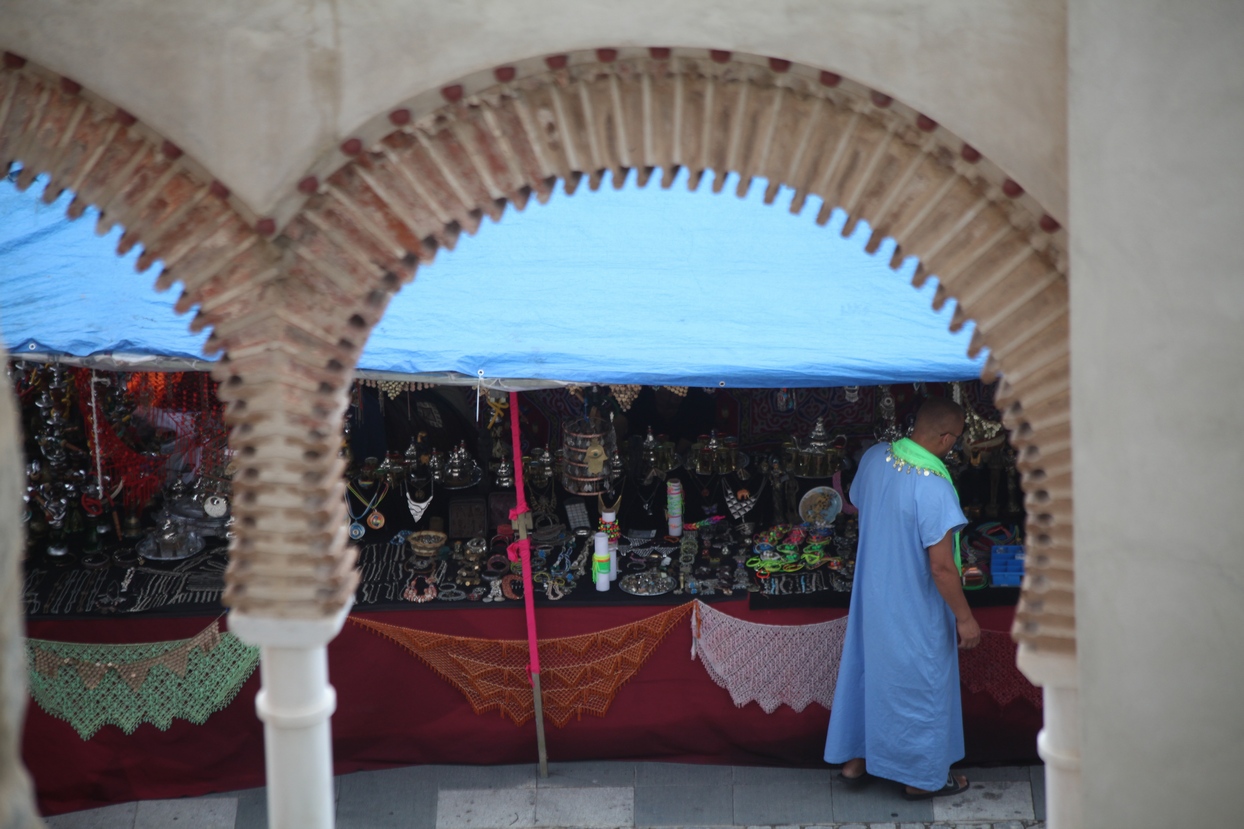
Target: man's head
point(939, 424)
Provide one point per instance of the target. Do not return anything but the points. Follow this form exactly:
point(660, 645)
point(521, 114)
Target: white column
point(17, 808)
point(1059, 740)
point(295, 703)
point(1155, 135)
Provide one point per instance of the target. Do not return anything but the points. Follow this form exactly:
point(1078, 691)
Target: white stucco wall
point(1157, 297)
point(256, 91)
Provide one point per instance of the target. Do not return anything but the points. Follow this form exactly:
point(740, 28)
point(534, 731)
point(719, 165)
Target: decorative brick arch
point(291, 315)
point(290, 547)
point(411, 180)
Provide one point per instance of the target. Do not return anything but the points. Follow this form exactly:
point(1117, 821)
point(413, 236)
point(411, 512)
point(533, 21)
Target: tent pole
point(520, 519)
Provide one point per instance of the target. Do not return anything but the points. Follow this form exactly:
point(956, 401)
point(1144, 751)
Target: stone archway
point(291, 302)
point(411, 180)
point(414, 179)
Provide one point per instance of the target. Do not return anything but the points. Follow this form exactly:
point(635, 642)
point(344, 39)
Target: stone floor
point(603, 795)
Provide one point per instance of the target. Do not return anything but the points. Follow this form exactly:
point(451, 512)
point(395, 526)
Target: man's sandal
point(855, 782)
point(952, 787)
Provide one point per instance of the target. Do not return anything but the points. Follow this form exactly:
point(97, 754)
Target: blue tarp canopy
point(627, 286)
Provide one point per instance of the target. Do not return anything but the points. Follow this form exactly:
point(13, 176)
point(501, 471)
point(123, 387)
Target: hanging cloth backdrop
point(770, 665)
point(579, 674)
point(90, 686)
point(661, 287)
point(794, 665)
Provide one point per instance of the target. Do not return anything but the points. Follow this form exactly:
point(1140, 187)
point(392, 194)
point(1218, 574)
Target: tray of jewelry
point(648, 583)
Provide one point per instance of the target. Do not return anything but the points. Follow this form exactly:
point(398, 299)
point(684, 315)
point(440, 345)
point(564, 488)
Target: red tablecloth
point(392, 710)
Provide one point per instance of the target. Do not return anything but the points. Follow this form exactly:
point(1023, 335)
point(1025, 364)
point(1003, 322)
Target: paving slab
point(798, 802)
point(402, 798)
point(117, 816)
point(987, 801)
point(764, 775)
point(1038, 791)
point(252, 809)
point(488, 777)
point(682, 774)
point(591, 773)
point(707, 805)
point(597, 807)
point(994, 773)
point(187, 813)
point(486, 808)
point(876, 800)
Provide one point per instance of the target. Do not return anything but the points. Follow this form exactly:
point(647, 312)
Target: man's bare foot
point(955, 784)
point(854, 769)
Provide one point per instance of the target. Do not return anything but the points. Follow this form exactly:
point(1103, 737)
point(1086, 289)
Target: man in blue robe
point(896, 711)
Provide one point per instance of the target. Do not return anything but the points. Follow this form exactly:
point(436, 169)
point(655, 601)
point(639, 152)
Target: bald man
point(897, 711)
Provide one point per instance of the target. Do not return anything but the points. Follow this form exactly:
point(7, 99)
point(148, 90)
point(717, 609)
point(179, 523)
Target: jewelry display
point(451, 593)
point(494, 590)
point(742, 502)
point(589, 443)
point(651, 583)
point(749, 515)
point(426, 543)
point(512, 587)
point(370, 514)
point(418, 508)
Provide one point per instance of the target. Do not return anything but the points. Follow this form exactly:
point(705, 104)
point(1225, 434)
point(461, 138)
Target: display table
point(392, 710)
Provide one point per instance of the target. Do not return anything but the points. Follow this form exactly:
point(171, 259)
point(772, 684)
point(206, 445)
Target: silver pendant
point(417, 508)
point(216, 506)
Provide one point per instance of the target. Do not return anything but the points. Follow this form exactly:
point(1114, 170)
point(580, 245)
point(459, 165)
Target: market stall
point(689, 495)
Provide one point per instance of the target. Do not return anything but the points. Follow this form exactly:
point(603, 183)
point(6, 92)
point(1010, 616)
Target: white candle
point(600, 561)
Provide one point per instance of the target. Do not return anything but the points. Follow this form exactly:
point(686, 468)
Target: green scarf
point(906, 455)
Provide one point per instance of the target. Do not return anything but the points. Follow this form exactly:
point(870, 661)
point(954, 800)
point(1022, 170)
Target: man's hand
point(946, 577)
point(969, 633)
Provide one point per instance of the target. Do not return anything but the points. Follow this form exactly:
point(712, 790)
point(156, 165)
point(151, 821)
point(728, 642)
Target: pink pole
point(521, 548)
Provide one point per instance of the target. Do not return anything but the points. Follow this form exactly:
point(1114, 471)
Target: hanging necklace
point(418, 508)
point(742, 502)
point(373, 517)
point(648, 500)
point(542, 500)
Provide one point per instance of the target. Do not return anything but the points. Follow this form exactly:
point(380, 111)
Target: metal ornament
point(418, 508)
point(216, 506)
point(357, 530)
point(375, 520)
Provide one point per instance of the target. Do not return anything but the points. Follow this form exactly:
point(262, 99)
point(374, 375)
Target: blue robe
point(897, 700)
